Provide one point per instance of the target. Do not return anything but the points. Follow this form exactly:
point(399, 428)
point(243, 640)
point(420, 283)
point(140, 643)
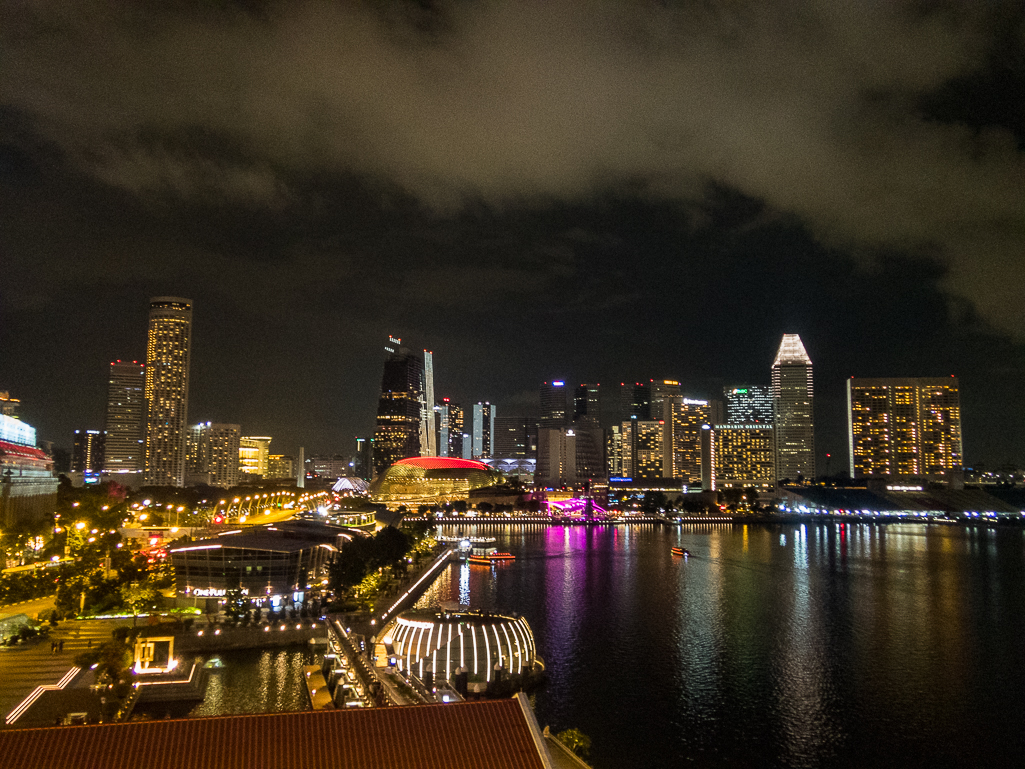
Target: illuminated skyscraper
point(515, 437)
point(450, 429)
point(793, 411)
point(483, 430)
point(126, 405)
point(907, 426)
point(399, 409)
point(748, 405)
point(682, 449)
point(168, 352)
point(253, 454)
point(428, 427)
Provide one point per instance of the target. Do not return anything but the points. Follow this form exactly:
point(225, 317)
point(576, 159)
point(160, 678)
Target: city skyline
point(598, 192)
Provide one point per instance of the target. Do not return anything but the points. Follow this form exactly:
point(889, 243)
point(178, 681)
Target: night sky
point(593, 191)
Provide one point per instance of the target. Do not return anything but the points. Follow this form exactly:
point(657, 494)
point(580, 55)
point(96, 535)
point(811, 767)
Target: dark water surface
point(772, 645)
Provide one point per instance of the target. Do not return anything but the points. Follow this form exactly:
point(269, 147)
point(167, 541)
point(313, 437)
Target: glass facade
point(167, 390)
point(793, 411)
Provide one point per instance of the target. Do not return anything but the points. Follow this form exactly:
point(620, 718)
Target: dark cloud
point(584, 188)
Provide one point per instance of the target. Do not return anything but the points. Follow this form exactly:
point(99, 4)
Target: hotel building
point(906, 426)
point(741, 456)
point(126, 405)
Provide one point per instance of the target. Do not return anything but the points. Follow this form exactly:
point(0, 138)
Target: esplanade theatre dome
point(431, 480)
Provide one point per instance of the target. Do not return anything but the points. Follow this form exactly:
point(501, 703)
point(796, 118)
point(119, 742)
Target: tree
point(236, 604)
point(350, 566)
point(575, 740)
point(138, 596)
point(390, 546)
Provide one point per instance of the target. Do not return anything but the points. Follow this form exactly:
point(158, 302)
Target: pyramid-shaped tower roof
point(791, 352)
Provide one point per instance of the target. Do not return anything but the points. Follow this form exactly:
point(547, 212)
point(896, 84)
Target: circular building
point(431, 480)
point(444, 642)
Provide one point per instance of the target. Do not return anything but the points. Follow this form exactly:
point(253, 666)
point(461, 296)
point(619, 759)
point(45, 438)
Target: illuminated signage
point(739, 390)
point(904, 488)
point(393, 340)
point(213, 592)
point(558, 384)
point(670, 382)
point(692, 402)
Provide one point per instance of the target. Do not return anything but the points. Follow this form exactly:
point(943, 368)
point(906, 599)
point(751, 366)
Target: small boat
point(681, 551)
point(490, 557)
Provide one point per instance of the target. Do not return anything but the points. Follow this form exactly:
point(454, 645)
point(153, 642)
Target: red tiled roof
point(473, 735)
point(17, 450)
point(442, 463)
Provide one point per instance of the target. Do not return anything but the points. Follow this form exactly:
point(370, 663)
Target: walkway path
point(23, 668)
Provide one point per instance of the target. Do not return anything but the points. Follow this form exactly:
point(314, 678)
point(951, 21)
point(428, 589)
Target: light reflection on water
point(817, 645)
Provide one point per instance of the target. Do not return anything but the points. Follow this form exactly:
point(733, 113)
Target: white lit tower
point(168, 351)
point(428, 426)
point(793, 411)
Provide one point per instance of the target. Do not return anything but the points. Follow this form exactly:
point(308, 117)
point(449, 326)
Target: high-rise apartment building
point(554, 405)
point(483, 430)
point(212, 453)
point(682, 450)
point(254, 454)
point(168, 352)
point(87, 451)
point(400, 407)
point(748, 405)
point(126, 406)
point(905, 426)
point(742, 456)
point(793, 411)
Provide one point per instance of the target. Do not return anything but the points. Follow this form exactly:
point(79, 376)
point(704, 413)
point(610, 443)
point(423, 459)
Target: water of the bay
point(771, 645)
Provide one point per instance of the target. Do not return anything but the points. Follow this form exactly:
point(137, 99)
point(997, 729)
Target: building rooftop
point(496, 734)
point(791, 351)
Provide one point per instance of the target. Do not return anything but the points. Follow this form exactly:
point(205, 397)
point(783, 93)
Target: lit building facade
point(281, 466)
point(748, 405)
point(329, 466)
point(587, 404)
point(168, 352)
point(213, 451)
point(254, 454)
point(742, 456)
point(483, 430)
point(682, 451)
point(793, 411)
point(515, 437)
point(126, 406)
point(400, 407)
point(614, 451)
point(569, 456)
point(642, 447)
point(87, 452)
point(28, 486)
point(451, 424)
point(8, 405)
point(904, 426)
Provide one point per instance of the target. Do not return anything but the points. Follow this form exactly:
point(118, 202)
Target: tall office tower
point(554, 405)
point(483, 430)
point(126, 404)
point(614, 451)
point(441, 428)
point(682, 451)
point(515, 437)
point(742, 456)
point(399, 412)
point(748, 405)
point(212, 454)
point(793, 411)
point(569, 455)
point(906, 426)
point(662, 393)
point(8, 405)
point(635, 400)
point(428, 428)
point(87, 451)
point(363, 462)
point(253, 453)
point(587, 404)
point(168, 351)
point(456, 419)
